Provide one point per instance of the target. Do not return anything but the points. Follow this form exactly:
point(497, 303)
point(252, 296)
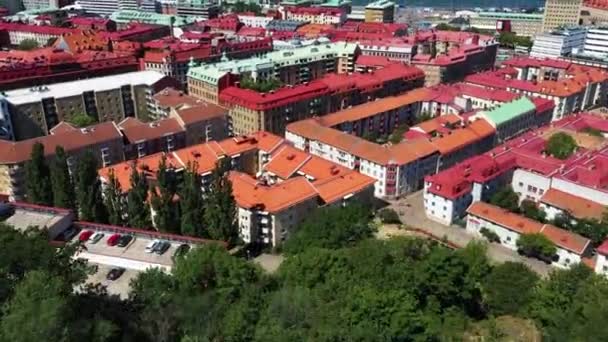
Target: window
point(508, 238)
point(521, 184)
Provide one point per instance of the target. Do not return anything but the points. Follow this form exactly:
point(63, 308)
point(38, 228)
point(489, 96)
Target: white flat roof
point(73, 88)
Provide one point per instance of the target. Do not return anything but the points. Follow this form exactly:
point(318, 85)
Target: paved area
point(133, 256)
point(119, 287)
point(269, 262)
point(411, 211)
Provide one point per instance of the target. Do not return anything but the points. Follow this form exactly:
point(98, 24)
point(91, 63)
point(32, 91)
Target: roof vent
point(291, 157)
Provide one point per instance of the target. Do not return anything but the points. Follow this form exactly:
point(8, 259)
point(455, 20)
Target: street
point(411, 212)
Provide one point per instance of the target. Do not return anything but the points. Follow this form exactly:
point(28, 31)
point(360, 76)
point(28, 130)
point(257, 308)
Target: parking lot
point(119, 287)
point(133, 256)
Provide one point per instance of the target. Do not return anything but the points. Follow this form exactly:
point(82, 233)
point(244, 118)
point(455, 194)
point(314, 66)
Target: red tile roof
point(576, 206)
point(18, 152)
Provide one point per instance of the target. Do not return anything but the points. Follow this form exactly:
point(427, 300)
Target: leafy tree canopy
point(561, 145)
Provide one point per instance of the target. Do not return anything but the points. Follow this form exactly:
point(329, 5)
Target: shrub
point(490, 235)
point(536, 245)
point(389, 216)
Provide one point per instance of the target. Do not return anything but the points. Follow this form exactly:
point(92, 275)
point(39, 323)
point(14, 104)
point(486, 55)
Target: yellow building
point(381, 11)
point(559, 13)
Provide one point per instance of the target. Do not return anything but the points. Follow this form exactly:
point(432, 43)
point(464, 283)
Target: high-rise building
point(381, 11)
point(558, 43)
point(561, 13)
point(596, 42)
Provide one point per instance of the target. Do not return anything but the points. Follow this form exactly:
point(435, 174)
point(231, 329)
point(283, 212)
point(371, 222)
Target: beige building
point(294, 66)
point(105, 141)
point(34, 111)
point(381, 11)
point(523, 24)
point(559, 13)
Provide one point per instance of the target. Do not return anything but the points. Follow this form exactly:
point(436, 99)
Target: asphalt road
point(411, 211)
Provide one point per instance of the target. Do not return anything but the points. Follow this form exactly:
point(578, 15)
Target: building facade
point(561, 13)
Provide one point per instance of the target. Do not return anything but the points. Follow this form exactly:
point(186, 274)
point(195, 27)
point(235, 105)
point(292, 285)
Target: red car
point(84, 236)
point(113, 240)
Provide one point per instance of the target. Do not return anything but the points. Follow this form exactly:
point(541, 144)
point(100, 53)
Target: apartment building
point(560, 42)
point(15, 33)
point(561, 13)
point(104, 140)
point(291, 67)
point(20, 69)
point(316, 15)
point(126, 17)
point(251, 110)
point(274, 185)
point(254, 20)
point(198, 8)
point(572, 87)
point(461, 98)
point(522, 163)
point(596, 42)
point(522, 24)
point(381, 11)
point(34, 111)
point(571, 247)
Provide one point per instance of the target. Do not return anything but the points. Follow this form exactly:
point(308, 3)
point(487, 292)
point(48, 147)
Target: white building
point(558, 43)
point(601, 262)
point(509, 227)
point(596, 42)
point(254, 20)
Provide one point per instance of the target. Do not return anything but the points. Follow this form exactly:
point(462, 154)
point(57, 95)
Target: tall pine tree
point(63, 188)
point(220, 207)
point(166, 209)
point(88, 190)
point(114, 201)
point(38, 178)
point(191, 203)
point(138, 210)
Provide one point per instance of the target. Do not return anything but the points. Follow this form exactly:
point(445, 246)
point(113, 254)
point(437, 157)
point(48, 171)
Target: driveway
point(411, 211)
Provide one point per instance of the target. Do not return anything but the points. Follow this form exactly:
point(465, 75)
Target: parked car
point(125, 240)
point(152, 245)
point(162, 247)
point(181, 250)
point(115, 273)
point(96, 237)
point(85, 235)
point(113, 240)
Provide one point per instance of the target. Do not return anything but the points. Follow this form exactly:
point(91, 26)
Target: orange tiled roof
point(373, 108)
point(576, 206)
point(249, 193)
point(522, 225)
point(286, 162)
point(505, 218)
point(565, 239)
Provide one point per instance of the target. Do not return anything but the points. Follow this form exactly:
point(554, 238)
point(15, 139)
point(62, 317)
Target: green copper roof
point(510, 111)
point(127, 16)
point(336, 3)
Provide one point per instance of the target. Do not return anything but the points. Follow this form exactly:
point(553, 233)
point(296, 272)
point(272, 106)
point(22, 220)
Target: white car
point(96, 237)
point(150, 246)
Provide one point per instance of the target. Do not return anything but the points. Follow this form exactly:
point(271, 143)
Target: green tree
point(211, 267)
point(388, 215)
point(27, 45)
point(82, 120)
point(507, 199)
point(561, 145)
point(397, 135)
point(508, 289)
point(261, 85)
point(220, 207)
point(554, 297)
point(191, 203)
point(114, 200)
point(138, 211)
point(530, 210)
point(63, 188)
point(163, 199)
point(536, 245)
point(38, 178)
point(37, 310)
point(88, 190)
point(333, 227)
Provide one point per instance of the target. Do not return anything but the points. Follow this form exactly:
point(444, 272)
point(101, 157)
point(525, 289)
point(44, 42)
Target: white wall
point(529, 185)
point(580, 191)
